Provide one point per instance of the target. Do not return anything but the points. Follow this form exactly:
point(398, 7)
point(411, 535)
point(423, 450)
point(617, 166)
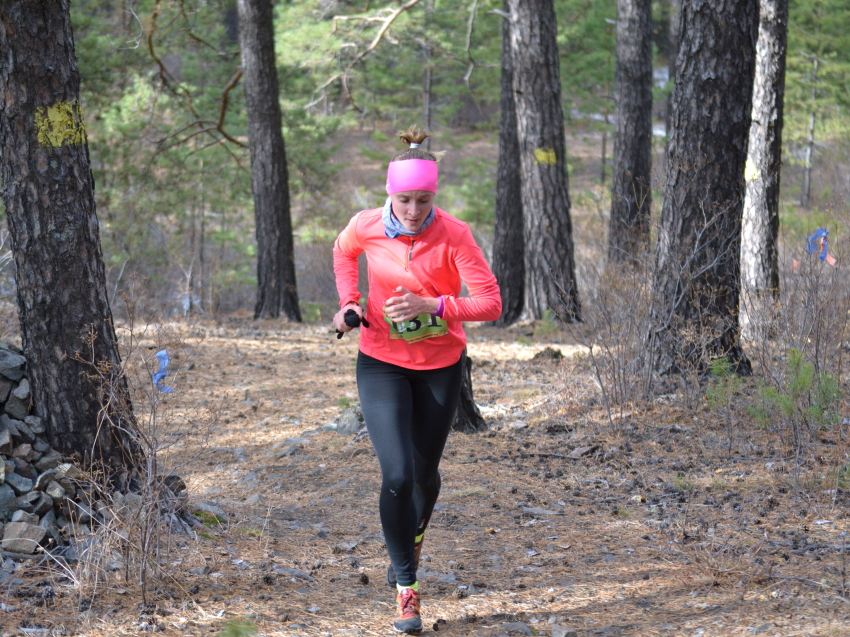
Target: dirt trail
point(551, 519)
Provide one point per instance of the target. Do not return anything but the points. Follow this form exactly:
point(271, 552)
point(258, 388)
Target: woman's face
point(412, 207)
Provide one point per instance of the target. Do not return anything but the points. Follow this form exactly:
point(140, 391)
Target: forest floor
point(556, 519)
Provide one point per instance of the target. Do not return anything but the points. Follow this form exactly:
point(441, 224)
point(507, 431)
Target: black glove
point(352, 320)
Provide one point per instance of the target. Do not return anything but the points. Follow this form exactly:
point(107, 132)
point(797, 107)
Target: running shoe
point(407, 619)
point(417, 551)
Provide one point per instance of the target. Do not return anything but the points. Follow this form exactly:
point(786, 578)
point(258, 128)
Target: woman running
point(410, 361)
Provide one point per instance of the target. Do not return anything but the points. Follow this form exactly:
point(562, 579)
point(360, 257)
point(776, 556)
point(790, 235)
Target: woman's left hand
point(408, 306)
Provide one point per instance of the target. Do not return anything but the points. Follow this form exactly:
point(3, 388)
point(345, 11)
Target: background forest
point(168, 134)
point(663, 439)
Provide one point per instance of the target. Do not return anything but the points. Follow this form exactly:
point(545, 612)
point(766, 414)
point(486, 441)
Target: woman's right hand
point(339, 317)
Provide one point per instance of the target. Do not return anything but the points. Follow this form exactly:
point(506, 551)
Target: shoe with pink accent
point(407, 618)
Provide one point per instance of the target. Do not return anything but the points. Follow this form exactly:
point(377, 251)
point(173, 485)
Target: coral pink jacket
point(430, 264)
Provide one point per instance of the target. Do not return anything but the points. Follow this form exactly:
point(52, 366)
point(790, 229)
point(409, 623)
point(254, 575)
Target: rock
point(23, 516)
point(175, 483)
point(8, 423)
point(294, 572)
point(205, 507)
point(48, 519)
point(24, 431)
point(539, 511)
point(36, 424)
point(5, 441)
point(52, 459)
point(350, 422)
point(283, 454)
point(43, 505)
point(22, 391)
point(579, 452)
point(19, 483)
point(254, 500)
point(448, 578)
point(560, 631)
point(84, 512)
point(11, 347)
point(548, 354)
point(8, 501)
point(41, 446)
point(67, 470)
point(127, 506)
point(516, 628)
point(29, 501)
point(44, 479)
point(24, 468)
point(12, 365)
point(23, 451)
point(20, 537)
point(17, 408)
point(5, 389)
point(55, 490)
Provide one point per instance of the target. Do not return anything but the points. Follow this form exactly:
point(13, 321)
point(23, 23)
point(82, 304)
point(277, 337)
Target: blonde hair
point(414, 135)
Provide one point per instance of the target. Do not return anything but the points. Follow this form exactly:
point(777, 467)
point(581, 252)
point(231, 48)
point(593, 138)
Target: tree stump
point(468, 418)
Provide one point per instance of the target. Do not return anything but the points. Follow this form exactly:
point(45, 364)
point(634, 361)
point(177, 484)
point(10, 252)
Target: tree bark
point(48, 191)
point(468, 418)
point(759, 251)
point(697, 274)
point(508, 240)
point(672, 54)
point(628, 234)
point(550, 282)
point(276, 286)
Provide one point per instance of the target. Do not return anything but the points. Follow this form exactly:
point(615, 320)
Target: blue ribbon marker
point(812, 243)
point(162, 357)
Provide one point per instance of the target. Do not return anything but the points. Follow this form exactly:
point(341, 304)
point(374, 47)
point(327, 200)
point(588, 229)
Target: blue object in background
point(812, 243)
point(162, 357)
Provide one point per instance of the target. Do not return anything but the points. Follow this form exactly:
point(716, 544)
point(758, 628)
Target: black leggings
point(408, 413)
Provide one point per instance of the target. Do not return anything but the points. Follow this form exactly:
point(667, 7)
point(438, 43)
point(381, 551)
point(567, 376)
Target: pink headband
point(412, 174)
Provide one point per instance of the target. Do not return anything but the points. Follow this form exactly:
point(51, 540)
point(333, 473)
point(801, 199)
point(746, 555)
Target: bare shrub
point(616, 322)
point(130, 534)
point(800, 344)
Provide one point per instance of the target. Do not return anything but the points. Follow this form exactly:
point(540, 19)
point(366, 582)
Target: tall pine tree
point(696, 284)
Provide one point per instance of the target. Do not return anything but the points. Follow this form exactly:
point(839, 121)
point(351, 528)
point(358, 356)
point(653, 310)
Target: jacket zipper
point(410, 254)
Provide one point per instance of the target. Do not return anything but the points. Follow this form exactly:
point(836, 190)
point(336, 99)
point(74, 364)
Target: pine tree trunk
point(468, 418)
point(48, 192)
point(673, 53)
point(806, 192)
point(697, 273)
point(276, 287)
point(759, 250)
point(628, 235)
point(508, 241)
point(550, 282)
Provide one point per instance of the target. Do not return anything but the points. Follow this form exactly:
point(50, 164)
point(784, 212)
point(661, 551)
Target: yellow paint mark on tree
point(751, 171)
point(545, 156)
point(60, 125)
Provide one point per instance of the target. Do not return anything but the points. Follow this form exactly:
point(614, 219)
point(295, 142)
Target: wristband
point(439, 312)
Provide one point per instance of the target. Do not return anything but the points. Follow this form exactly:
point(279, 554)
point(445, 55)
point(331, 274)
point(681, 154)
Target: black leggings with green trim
point(408, 414)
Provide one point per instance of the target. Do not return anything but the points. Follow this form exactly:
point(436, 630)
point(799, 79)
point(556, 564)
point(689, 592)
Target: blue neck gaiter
point(394, 228)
